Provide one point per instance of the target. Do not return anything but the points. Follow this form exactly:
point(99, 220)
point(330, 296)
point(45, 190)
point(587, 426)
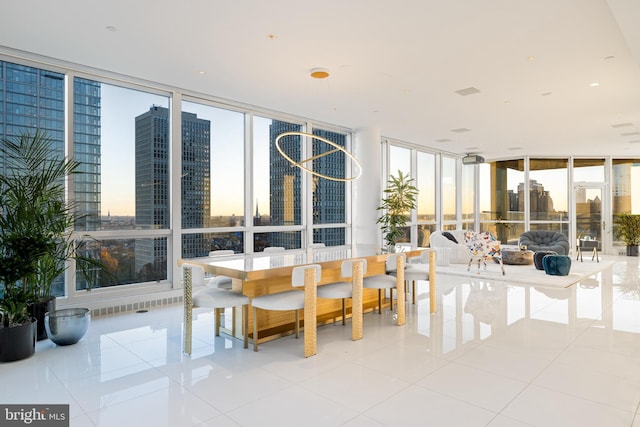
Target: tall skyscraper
point(152, 186)
point(33, 98)
point(86, 149)
point(286, 204)
point(328, 203)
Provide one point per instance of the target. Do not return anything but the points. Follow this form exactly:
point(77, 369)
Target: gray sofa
point(545, 240)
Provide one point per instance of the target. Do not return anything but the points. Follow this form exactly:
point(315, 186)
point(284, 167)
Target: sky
point(120, 106)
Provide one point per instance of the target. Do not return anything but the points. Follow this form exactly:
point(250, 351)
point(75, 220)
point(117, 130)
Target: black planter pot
point(17, 342)
point(38, 311)
point(632, 250)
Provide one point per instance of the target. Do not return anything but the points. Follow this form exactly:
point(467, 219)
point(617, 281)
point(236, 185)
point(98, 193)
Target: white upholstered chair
point(384, 281)
point(293, 300)
point(217, 299)
point(342, 290)
point(416, 271)
point(274, 249)
point(221, 282)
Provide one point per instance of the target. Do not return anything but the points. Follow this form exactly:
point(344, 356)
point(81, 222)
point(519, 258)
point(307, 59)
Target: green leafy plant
point(627, 228)
point(36, 221)
point(398, 201)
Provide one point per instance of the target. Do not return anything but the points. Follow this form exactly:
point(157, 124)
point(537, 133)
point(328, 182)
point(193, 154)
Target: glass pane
point(219, 133)
point(589, 170)
point(507, 233)
point(122, 137)
point(589, 213)
point(424, 234)
point(285, 239)
point(500, 203)
point(561, 227)
point(200, 244)
point(626, 186)
point(548, 194)
point(449, 204)
point(468, 194)
point(328, 198)
point(399, 159)
point(276, 182)
point(126, 260)
point(329, 236)
point(426, 184)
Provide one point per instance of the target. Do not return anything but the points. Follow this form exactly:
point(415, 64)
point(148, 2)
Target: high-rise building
point(32, 98)
point(328, 204)
point(284, 184)
point(152, 186)
point(86, 149)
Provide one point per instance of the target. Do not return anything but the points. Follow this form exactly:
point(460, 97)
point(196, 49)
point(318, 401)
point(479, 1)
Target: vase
point(17, 342)
point(38, 310)
point(67, 326)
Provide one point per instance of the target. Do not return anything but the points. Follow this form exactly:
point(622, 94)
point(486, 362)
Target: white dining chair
point(294, 300)
point(342, 290)
point(414, 271)
point(217, 299)
point(220, 282)
point(384, 281)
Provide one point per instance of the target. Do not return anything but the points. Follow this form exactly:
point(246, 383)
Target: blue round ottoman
point(537, 258)
point(556, 265)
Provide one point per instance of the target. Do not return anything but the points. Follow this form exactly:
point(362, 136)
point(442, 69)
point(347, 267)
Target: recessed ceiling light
point(460, 130)
point(530, 58)
point(635, 141)
point(202, 72)
point(607, 58)
point(514, 148)
point(630, 133)
point(594, 84)
point(319, 73)
point(110, 28)
point(271, 36)
point(546, 93)
point(443, 140)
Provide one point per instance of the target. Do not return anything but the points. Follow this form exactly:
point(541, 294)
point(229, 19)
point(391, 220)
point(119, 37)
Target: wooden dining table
point(265, 273)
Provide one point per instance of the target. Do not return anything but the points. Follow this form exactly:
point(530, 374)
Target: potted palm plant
point(627, 227)
point(35, 223)
point(398, 201)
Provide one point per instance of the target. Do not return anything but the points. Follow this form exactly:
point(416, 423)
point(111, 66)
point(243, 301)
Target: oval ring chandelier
point(311, 159)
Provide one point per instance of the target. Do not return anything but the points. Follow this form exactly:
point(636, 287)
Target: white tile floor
point(494, 355)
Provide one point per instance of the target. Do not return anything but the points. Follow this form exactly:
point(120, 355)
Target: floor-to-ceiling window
point(548, 195)
point(468, 197)
point(439, 178)
point(329, 202)
point(212, 179)
point(449, 196)
point(625, 189)
point(501, 192)
point(426, 184)
point(121, 137)
point(400, 161)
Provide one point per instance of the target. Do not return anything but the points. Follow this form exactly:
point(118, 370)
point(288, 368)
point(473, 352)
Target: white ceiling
point(394, 64)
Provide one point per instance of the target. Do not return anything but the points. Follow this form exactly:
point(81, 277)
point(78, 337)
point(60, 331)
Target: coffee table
point(517, 257)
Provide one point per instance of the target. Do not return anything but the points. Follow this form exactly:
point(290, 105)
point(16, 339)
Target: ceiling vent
point(467, 91)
